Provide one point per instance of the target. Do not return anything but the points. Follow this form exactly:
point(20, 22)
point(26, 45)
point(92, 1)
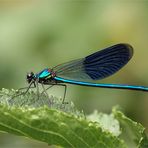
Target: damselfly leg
point(65, 89)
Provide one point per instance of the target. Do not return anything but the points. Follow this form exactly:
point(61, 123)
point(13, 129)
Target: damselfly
point(84, 71)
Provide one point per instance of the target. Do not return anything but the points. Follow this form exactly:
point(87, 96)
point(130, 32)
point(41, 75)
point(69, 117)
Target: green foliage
point(133, 131)
point(63, 125)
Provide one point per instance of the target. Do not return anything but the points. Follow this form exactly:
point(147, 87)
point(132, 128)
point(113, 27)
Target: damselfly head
point(30, 76)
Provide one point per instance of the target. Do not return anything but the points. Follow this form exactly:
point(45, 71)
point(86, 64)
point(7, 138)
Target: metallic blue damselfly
point(85, 71)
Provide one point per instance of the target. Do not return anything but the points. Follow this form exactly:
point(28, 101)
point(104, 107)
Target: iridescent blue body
point(85, 71)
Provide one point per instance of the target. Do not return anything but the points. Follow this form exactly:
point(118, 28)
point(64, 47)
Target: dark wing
point(96, 66)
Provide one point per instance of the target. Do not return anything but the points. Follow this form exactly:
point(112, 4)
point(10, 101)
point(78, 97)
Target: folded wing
point(96, 66)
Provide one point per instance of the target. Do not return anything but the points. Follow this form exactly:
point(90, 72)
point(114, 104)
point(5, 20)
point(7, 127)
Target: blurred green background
point(39, 34)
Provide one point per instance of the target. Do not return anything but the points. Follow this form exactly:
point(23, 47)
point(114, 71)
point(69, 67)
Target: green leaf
point(55, 128)
point(133, 133)
point(45, 119)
